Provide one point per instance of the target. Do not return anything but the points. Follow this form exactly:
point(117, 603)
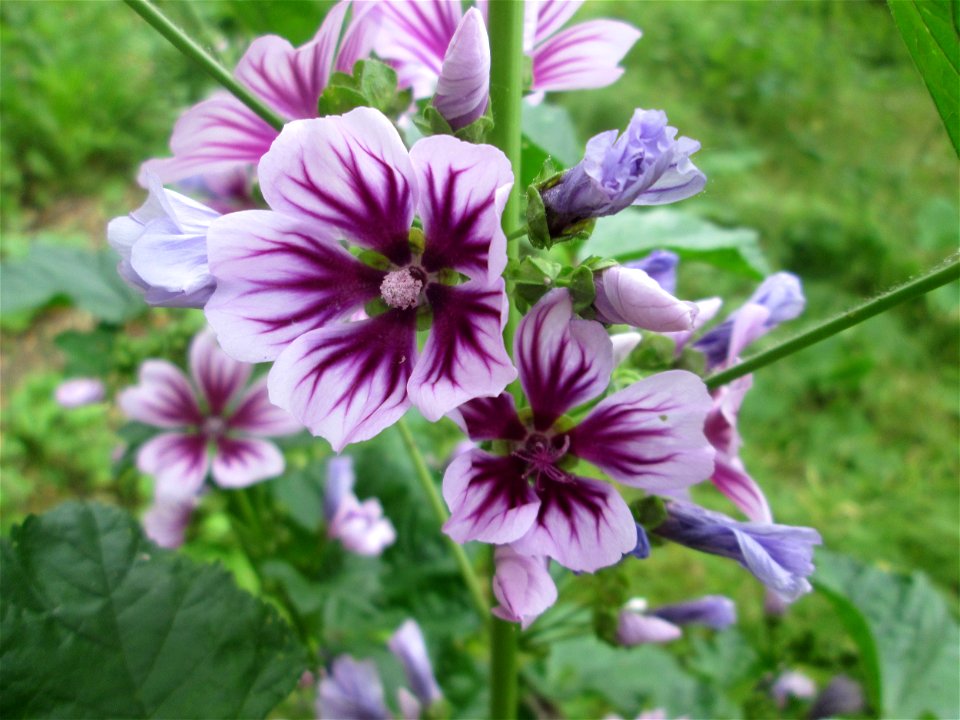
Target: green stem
point(186, 45)
point(518, 233)
point(941, 275)
point(436, 503)
point(505, 26)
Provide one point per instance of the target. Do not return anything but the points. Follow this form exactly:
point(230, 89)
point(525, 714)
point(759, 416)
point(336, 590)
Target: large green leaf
point(909, 642)
point(633, 233)
point(930, 31)
point(98, 622)
point(86, 278)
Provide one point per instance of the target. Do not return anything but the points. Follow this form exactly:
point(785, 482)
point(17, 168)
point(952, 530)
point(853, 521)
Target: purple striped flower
point(286, 287)
point(646, 165)
point(416, 34)
point(221, 133)
point(463, 89)
point(780, 556)
point(167, 518)
point(163, 248)
point(216, 411)
point(649, 435)
point(360, 527)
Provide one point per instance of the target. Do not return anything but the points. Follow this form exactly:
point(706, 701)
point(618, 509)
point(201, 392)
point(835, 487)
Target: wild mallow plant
point(348, 216)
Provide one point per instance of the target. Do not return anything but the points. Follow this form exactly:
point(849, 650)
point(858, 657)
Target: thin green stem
point(938, 276)
point(436, 503)
point(518, 233)
point(505, 26)
point(186, 45)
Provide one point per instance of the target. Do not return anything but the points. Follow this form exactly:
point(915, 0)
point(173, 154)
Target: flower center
point(541, 456)
point(401, 288)
point(214, 427)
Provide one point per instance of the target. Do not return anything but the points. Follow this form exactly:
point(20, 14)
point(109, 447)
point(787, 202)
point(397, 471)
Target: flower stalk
point(440, 511)
point(190, 48)
point(505, 28)
point(941, 275)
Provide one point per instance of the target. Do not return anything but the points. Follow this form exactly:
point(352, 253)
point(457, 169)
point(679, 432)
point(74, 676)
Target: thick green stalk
point(440, 511)
point(505, 26)
point(940, 275)
point(185, 44)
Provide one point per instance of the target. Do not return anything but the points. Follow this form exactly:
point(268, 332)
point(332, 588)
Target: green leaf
point(378, 83)
point(550, 128)
point(633, 233)
point(930, 31)
point(85, 278)
point(87, 353)
point(909, 642)
point(96, 621)
point(338, 99)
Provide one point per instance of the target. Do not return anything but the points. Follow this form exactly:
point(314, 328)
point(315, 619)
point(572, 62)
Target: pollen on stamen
point(400, 289)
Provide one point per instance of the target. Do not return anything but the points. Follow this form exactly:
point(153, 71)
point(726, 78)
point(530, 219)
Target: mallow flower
point(408, 645)
point(646, 165)
point(648, 435)
point(638, 625)
point(167, 518)
point(215, 412)
point(352, 689)
point(77, 392)
point(221, 133)
point(287, 288)
point(163, 248)
point(522, 585)
point(463, 89)
point(629, 296)
point(780, 556)
point(414, 37)
point(360, 527)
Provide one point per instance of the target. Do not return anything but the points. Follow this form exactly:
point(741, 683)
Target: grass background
point(816, 130)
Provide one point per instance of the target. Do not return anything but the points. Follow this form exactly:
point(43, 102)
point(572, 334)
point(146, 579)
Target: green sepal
point(424, 318)
point(430, 122)
point(536, 214)
point(533, 277)
point(596, 263)
point(416, 240)
point(376, 306)
point(656, 352)
point(649, 512)
point(450, 277)
point(339, 99)
point(377, 83)
point(476, 132)
point(579, 281)
point(371, 258)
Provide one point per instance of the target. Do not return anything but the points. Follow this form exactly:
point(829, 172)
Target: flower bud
point(408, 645)
point(78, 392)
point(522, 586)
point(463, 88)
point(630, 296)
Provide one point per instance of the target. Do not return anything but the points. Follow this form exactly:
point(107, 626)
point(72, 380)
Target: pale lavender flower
point(778, 299)
point(408, 645)
point(463, 89)
point(216, 410)
point(714, 611)
point(661, 265)
point(414, 36)
point(522, 585)
point(167, 518)
point(780, 556)
point(792, 684)
point(285, 283)
point(629, 296)
point(646, 165)
point(842, 696)
point(352, 690)
point(360, 527)
point(648, 435)
point(78, 392)
point(163, 248)
point(636, 627)
point(221, 133)
point(636, 624)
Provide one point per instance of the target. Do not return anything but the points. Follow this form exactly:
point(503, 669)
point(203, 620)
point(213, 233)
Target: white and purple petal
point(349, 172)
point(464, 357)
point(714, 611)
point(177, 461)
point(218, 376)
point(490, 418)
point(635, 628)
point(551, 15)
point(488, 497)
point(78, 392)
point(167, 518)
point(463, 88)
point(239, 462)
point(348, 381)
point(522, 585)
point(583, 56)
point(361, 527)
point(352, 689)
point(630, 296)
point(164, 397)
point(563, 362)
point(279, 277)
point(213, 136)
point(650, 434)
point(582, 524)
point(256, 415)
point(463, 190)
